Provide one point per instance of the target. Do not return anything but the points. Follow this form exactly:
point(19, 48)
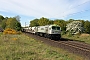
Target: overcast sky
point(52, 9)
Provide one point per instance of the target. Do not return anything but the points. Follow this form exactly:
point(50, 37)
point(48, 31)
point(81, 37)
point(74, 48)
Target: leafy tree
point(1, 18)
point(3, 24)
point(75, 27)
point(18, 26)
point(43, 21)
point(87, 27)
point(61, 23)
point(51, 22)
point(34, 22)
point(6, 18)
point(13, 24)
point(82, 22)
point(69, 21)
point(17, 18)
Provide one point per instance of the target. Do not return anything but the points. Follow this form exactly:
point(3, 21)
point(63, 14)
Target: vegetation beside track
point(79, 37)
point(0, 33)
point(22, 47)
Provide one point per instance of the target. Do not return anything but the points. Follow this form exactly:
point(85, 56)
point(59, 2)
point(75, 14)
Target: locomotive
point(47, 31)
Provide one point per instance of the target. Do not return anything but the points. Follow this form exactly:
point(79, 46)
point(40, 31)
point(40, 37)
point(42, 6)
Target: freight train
point(47, 31)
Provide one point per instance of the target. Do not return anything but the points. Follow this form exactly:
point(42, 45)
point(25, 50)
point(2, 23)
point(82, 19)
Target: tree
point(75, 27)
point(1, 18)
point(18, 26)
point(3, 24)
point(70, 20)
point(13, 24)
point(43, 21)
point(17, 18)
point(6, 18)
point(51, 22)
point(61, 23)
point(87, 26)
point(34, 22)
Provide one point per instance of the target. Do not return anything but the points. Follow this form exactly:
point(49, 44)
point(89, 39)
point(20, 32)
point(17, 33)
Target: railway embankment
point(23, 47)
point(73, 46)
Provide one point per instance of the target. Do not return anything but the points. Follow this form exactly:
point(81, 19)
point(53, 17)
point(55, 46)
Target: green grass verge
point(22, 47)
point(83, 37)
point(0, 33)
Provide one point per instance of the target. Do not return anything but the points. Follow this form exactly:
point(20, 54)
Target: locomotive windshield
point(58, 28)
point(55, 28)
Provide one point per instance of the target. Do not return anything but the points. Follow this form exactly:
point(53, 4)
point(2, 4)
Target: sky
point(51, 9)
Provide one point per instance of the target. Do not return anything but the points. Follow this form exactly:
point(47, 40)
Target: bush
point(63, 32)
point(19, 32)
point(9, 31)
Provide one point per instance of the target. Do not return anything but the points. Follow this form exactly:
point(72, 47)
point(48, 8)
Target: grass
point(22, 47)
point(83, 37)
point(0, 33)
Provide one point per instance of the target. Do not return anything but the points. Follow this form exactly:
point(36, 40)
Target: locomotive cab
point(54, 32)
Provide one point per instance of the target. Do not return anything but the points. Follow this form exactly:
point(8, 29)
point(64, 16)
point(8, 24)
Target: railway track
point(76, 47)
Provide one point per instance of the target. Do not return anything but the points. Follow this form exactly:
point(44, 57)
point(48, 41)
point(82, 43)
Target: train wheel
point(45, 35)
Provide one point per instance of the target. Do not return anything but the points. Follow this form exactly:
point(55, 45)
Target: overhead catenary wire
point(74, 8)
point(80, 12)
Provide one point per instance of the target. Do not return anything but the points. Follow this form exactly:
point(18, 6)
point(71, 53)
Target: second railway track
point(76, 45)
point(72, 46)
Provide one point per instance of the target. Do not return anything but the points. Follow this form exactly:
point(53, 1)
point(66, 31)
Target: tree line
point(10, 22)
point(14, 23)
point(62, 23)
